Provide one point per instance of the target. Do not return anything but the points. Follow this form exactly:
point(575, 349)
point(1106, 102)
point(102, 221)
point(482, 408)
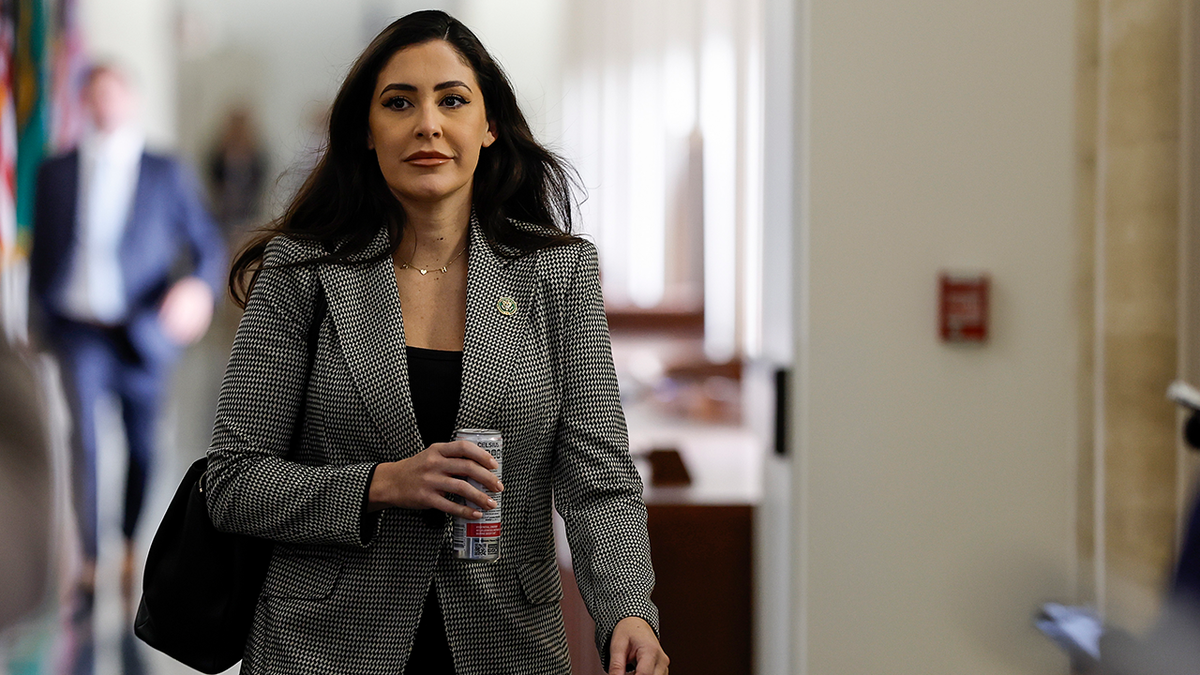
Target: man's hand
point(634, 642)
point(186, 311)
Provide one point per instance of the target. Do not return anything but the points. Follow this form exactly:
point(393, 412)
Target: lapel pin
point(507, 306)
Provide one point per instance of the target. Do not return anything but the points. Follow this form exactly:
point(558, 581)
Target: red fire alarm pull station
point(963, 307)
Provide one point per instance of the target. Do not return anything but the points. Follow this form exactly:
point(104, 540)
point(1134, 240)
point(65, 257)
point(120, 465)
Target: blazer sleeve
point(597, 490)
point(204, 240)
point(252, 486)
point(39, 259)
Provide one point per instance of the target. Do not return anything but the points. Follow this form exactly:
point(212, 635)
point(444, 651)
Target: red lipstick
point(427, 158)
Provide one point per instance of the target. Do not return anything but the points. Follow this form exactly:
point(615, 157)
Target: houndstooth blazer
point(344, 590)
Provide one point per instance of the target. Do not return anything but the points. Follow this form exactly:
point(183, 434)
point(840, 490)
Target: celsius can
point(480, 539)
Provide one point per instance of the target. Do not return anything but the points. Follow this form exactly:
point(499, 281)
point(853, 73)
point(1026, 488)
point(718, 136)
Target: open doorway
point(685, 151)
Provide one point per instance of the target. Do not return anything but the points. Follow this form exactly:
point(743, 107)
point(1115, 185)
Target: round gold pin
point(507, 306)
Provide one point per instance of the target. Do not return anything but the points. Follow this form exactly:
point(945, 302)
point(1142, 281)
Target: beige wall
point(935, 484)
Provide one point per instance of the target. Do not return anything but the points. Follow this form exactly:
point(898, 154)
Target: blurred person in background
point(236, 167)
point(26, 482)
point(114, 226)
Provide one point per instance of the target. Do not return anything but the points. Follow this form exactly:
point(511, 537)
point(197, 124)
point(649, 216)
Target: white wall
point(775, 568)
point(285, 59)
point(527, 38)
point(934, 484)
point(137, 35)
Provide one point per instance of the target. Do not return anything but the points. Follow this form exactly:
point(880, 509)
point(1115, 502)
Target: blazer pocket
point(302, 576)
point(541, 582)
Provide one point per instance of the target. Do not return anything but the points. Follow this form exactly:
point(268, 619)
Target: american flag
point(12, 300)
point(8, 136)
point(70, 69)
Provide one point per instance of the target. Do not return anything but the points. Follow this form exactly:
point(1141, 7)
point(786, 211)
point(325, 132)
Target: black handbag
point(201, 585)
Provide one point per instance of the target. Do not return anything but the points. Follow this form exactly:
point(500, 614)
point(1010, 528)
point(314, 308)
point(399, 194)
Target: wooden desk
point(703, 562)
point(701, 540)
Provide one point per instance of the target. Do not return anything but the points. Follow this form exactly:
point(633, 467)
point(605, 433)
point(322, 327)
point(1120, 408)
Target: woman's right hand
point(423, 480)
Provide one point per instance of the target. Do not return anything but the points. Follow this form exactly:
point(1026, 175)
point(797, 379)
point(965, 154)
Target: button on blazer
point(344, 590)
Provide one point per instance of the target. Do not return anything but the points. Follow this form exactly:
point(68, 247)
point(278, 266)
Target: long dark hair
point(345, 200)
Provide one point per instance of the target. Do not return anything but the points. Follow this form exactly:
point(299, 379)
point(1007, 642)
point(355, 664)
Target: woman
point(431, 247)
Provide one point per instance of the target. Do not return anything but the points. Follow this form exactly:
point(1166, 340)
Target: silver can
point(479, 540)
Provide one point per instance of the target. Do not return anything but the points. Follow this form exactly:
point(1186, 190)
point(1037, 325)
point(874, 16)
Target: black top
point(435, 379)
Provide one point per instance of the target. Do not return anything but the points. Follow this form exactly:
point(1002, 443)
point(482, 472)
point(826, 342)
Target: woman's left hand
point(634, 641)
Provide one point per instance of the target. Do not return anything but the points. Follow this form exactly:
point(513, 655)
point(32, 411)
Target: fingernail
point(501, 488)
point(492, 503)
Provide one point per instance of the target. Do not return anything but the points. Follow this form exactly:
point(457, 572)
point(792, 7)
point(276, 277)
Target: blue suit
point(169, 233)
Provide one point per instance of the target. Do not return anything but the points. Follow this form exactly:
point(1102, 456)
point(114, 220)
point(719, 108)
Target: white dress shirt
point(108, 176)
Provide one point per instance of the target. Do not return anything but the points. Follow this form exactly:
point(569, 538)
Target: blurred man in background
point(125, 267)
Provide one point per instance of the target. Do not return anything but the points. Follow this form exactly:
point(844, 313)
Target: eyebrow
point(449, 84)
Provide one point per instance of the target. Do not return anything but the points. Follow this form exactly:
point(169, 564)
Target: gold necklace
point(442, 269)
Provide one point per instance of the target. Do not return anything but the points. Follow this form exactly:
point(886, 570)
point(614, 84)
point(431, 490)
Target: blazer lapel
point(366, 312)
point(365, 308)
point(499, 299)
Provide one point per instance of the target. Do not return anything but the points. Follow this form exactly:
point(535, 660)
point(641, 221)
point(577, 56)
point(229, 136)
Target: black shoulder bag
point(201, 585)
